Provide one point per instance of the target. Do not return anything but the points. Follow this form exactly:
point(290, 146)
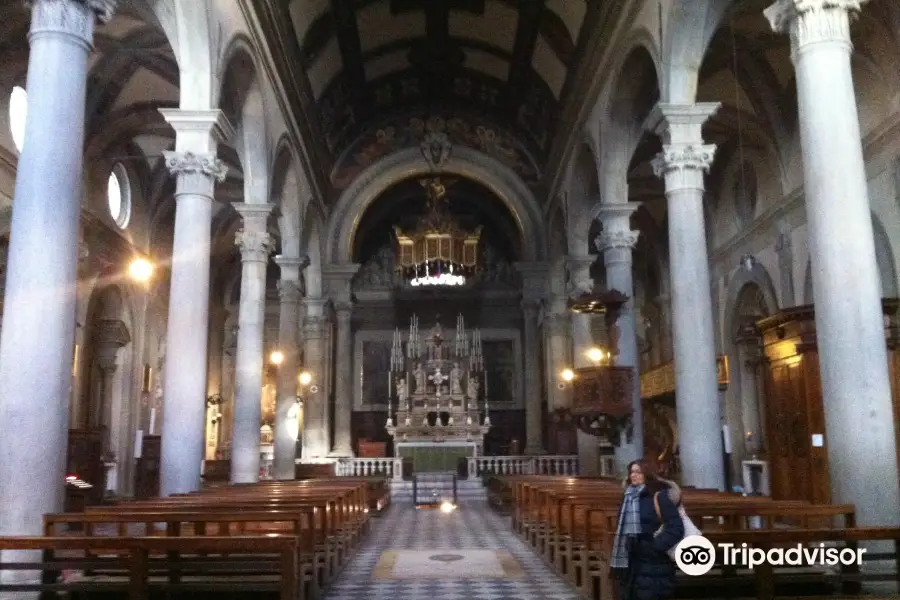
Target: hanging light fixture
point(438, 252)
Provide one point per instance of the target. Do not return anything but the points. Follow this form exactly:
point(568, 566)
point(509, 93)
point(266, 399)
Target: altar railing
point(523, 465)
point(362, 467)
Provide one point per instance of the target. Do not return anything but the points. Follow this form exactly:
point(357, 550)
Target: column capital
point(535, 281)
point(616, 239)
point(255, 217)
point(530, 307)
point(188, 163)
point(73, 17)
point(579, 278)
point(338, 278)
point(343, 309)
point(291, 266)
point(198, 131)
point(289, 291)
point(813, 21)
point(113, 333)
point(256, 246)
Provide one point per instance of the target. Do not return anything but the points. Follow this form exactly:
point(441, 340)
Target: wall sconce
point(146, 378)
point(567, 375)
point(140, 270)
point(276, 357)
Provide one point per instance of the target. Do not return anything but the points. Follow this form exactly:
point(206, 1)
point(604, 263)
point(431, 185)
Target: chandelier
point(438, 252)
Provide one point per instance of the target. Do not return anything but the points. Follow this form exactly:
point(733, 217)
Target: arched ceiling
point(364, 61)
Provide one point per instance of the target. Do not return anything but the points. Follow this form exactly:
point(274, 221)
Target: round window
point(118, 196)
point(18, 111)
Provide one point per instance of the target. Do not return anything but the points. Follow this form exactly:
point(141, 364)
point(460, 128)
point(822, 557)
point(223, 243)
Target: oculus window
point(118, 196)
point(18, 110)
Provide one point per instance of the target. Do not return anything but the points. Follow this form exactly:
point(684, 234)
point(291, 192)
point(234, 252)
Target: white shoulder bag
point(689, 527)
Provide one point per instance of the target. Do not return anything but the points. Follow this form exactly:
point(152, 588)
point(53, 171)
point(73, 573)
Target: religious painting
point(376, 366)
point(500, 364)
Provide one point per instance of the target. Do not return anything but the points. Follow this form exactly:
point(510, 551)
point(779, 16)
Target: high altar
point(438, 387)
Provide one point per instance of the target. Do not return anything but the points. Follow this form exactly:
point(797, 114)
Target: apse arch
point(757, 276)
point(408, 163)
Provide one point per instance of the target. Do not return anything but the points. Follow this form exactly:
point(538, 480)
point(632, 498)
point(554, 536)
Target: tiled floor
point(446, 548)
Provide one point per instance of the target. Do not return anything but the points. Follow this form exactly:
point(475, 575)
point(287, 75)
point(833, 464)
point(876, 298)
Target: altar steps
point(466, 490)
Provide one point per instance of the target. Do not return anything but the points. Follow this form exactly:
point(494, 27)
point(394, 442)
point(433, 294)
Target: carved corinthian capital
point(74, 17)
point(256, 246)
point(813, 21)
point(620, 239)
point(684, 157)
point(189, 163)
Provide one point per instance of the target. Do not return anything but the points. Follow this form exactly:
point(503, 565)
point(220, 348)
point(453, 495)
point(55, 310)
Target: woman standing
point(639, 560)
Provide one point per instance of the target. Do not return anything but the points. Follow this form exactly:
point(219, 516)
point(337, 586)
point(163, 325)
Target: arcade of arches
point(731, 167)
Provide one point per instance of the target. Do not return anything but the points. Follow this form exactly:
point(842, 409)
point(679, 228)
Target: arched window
point(18, 110)
point(118, 196)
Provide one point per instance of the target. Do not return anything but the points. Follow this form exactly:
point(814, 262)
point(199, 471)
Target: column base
point(534, 451)
point(341, 453)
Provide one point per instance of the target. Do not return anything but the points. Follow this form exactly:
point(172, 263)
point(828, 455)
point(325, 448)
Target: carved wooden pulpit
point(602, 394)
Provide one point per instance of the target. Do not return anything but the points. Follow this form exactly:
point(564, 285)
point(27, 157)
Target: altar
point(439, 389)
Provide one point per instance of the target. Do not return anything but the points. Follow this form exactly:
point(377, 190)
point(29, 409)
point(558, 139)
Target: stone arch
point(241, 99)
point(640, 39)
point(887, 270)
point(689, 28)
point(312, 245)
point(759, 277)
point(377, 178)
point(583, 192)
point(286, 195)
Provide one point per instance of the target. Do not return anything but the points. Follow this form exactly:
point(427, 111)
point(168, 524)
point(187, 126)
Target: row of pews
point(571, 523)
point(273, 539)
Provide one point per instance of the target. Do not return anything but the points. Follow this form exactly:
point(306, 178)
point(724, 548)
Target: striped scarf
point(629, 526)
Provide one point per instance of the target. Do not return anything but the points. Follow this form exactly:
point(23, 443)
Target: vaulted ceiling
point(502, 65)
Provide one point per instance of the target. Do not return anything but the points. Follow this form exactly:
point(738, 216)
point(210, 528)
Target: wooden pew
point(199, 568)
point(327, 517)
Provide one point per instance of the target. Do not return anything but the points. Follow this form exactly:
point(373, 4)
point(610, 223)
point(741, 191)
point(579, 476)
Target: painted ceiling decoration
point(373, 64)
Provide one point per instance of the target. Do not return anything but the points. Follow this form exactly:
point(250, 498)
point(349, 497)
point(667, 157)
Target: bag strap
point(656, 505)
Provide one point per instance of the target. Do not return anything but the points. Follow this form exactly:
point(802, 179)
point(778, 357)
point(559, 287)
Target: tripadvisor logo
point(696, 555)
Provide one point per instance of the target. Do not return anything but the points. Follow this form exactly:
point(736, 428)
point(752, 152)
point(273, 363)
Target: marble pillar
point(343, 381)
point(849, 327)
point(683, 162)
point(316, 439)
point(285, 446)
point(750, 362)
point(38, 328)
point(256, 245)
point(196, 169)
point(559, 351)
point(616, 243)
point(534, 409)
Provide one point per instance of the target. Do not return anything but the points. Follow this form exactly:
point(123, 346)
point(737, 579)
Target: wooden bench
point(198, 568)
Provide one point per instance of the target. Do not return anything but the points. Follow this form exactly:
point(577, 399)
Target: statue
point(419, 374)
point(402, 391)
point(455, 386)
point(473, 388)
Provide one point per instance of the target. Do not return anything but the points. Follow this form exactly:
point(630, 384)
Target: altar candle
point(152, 421)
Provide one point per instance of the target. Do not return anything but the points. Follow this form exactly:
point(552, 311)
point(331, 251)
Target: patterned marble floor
point(470, 554)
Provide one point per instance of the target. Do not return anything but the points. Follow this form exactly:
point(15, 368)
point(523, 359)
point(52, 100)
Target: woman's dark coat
point(651, 573)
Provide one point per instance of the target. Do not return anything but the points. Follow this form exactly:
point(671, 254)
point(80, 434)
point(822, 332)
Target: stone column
point(110, 337)
point(39, 306)
point(343, 381)
point(256, 245)
point(288, 325)
point(849, 325)
point(616, 242)
point(580, 282)
point(196, 168)
point(557, 339)
point(682, 163)
point(534, 290)
point(338, 278)
point(316, 442)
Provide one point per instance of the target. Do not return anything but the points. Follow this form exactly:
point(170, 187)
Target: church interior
point(278, 276)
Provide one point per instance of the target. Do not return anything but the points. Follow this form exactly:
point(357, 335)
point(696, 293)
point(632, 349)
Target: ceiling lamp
point(437, 252)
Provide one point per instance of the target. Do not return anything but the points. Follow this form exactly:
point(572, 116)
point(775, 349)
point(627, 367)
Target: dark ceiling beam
point(437, 35)
point(407, 43)
point(527, 31)
point(351, 55)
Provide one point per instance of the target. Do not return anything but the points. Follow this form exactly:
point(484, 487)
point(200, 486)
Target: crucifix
point(437, 379)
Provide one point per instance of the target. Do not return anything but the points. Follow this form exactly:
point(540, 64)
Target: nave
point(471, 553)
